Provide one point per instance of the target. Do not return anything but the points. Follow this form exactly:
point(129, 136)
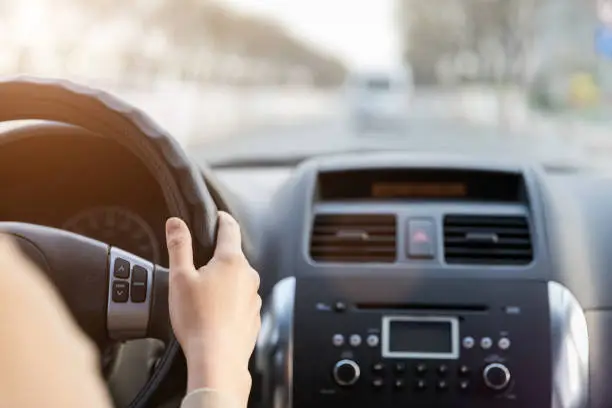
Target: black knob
point(496, 376)
point(346, 372)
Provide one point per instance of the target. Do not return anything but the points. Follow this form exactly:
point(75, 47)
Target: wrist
point(217, 374)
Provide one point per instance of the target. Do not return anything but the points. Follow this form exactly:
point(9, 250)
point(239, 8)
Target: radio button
point(399, 384)
point(468, 342)
point(346, 373)
point(378, 367)
point(421, 369)
point(338, 340)
point(443, 369)
point(373, 340)
point(378, 383)
point(355, 340)
point(442, 385)
point(420, 385)
point(503, 343)
point(400, 368)
point(464, 370)
point(486, 343)
point(496, 376)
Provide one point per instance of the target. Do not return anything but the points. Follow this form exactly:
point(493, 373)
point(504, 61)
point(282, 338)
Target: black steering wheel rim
point(186, 195)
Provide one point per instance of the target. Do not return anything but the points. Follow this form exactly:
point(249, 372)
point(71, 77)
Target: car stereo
point(365, 342)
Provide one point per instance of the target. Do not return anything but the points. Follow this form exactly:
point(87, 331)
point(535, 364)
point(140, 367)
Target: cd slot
point(422, 307)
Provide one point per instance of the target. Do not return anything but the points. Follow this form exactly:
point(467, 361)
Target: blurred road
point(420, 133)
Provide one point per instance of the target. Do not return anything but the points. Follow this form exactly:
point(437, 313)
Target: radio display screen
point(420, 337)
point(425, 337)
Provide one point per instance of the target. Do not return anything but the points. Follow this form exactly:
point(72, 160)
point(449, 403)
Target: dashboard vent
point(491, 240)
point(356, 238)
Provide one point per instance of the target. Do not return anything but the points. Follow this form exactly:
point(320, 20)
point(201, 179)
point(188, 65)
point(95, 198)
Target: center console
point(448, 343)
point(420, 288)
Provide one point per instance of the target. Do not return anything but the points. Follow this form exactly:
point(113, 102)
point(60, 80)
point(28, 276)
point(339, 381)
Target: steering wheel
point(114, 295)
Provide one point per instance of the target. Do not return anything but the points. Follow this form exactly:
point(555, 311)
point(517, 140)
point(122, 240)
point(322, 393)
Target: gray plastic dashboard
point(571, 225)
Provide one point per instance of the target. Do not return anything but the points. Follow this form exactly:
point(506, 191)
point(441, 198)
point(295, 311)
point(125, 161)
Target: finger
point(180, 250)
point(256, 279)
point(258, 304)
point(228, 237)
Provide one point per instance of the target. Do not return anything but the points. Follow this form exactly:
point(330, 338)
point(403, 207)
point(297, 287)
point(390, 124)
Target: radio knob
point(346, 372)
point(496, 376)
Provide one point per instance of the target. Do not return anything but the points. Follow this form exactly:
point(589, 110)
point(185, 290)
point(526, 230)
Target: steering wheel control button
point(139, 284)
point(486, 343)
point(139, 274)
point(346, 373)
point(421, 369)
point(503, 343)
point(496, 376)
point(338, 340)
point(373, 340)
point(121, 291)
point(421, 239)
point(121, 268)
point(464, 371)
point(129, 301)
point(139, 292)
point(355, 340)
point(468, 342)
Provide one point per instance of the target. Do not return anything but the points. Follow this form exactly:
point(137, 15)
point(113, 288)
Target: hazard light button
point(421, 239)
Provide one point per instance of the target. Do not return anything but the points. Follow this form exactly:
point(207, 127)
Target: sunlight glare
point(31, 23)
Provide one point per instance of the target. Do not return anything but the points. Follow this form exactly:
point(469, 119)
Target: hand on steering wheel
point(214, 310)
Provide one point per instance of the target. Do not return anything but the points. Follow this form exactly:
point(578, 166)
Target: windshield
point(265, 80)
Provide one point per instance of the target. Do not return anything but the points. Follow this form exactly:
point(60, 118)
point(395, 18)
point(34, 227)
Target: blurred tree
point(497, 33)
point(197, 40)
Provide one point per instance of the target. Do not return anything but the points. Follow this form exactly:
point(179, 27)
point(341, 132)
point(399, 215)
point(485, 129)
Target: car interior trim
point(570, 348)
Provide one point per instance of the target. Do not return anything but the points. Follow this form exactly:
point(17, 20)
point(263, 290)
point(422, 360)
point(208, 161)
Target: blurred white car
point(379, 99)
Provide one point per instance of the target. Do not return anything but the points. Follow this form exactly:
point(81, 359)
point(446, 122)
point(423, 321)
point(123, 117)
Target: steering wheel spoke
point(113, 294)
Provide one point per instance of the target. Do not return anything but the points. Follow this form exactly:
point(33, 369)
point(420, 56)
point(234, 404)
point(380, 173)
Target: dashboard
point(464, 283)
point(388, 278)
point(51, 175)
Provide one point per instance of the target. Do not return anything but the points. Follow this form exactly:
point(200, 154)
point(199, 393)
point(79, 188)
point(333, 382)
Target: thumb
point(180, 250)
point(228, 237)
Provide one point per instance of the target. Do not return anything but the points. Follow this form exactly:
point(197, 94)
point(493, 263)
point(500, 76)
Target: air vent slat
point(372, 230)
point(491, 229)
point(359, 238)
point(372, 241)
point(509, 242)
point(491, 240)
